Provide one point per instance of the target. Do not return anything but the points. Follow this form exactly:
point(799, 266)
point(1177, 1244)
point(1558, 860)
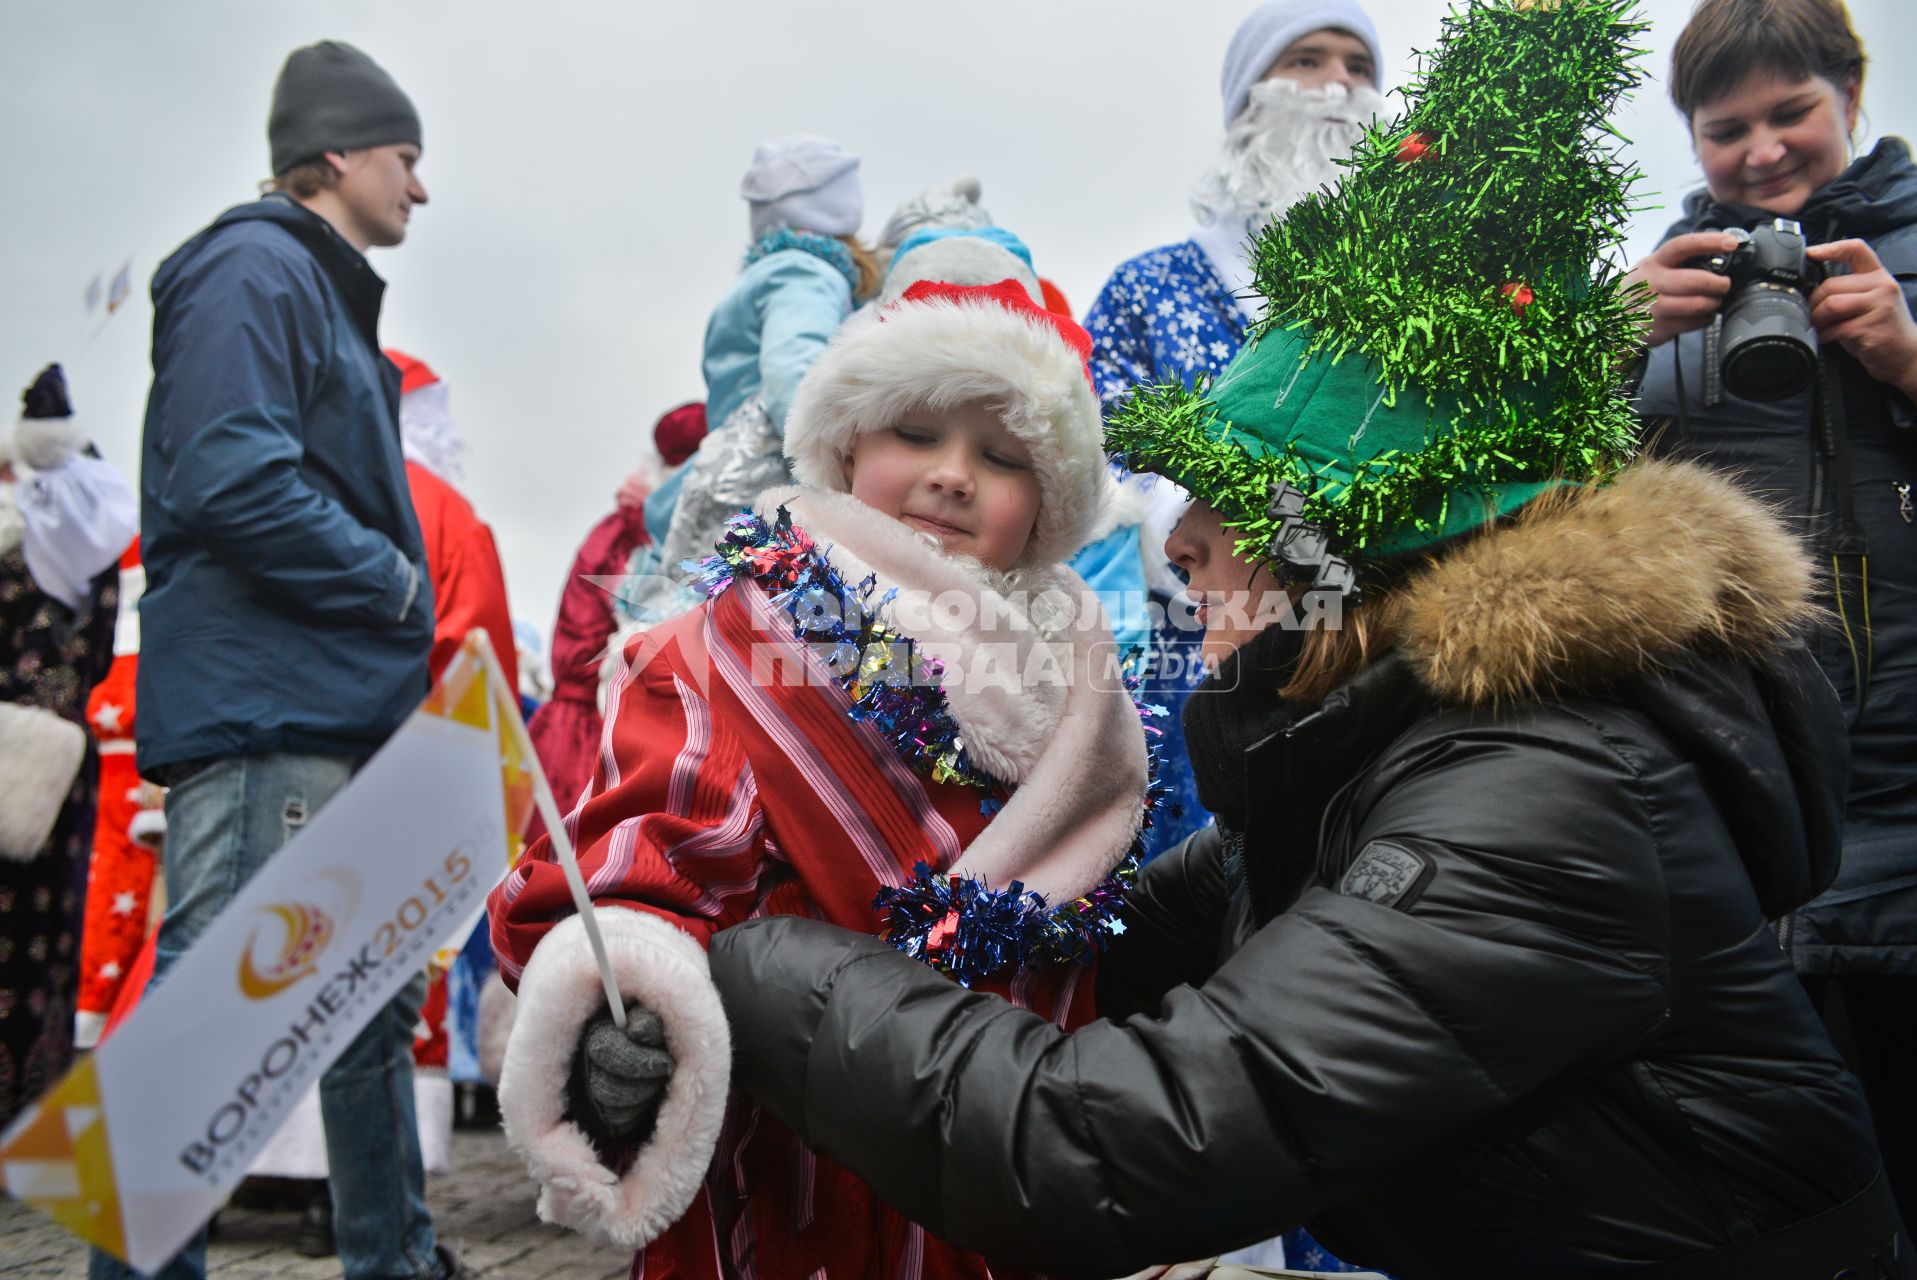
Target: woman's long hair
point(871, 270)
point(1365, 631)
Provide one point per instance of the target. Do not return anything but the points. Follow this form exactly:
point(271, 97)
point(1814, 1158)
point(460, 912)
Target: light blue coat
point(766, 333)
point(761, 339)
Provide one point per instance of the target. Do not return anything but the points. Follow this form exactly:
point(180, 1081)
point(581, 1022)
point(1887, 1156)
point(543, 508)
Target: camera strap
point(1713, 374)
point(1683, 404)
point(1849, 551)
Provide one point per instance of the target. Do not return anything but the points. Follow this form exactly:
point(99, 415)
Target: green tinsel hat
point(1440, 344)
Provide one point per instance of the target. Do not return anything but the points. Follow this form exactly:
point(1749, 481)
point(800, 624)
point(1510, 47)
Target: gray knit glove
point(618, 1079)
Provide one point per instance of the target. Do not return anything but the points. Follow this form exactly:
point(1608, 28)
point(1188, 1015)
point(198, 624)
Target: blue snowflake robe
point(1169, 314)
point(1164, 315)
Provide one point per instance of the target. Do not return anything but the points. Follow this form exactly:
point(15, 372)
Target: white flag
point(142, 1141)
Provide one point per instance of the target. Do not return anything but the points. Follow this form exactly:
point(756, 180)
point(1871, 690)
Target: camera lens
point(1770, 348)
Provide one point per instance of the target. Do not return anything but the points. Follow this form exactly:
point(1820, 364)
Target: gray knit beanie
point(332, 97)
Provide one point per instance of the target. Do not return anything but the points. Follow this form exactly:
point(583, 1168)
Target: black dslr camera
point(1769, 348)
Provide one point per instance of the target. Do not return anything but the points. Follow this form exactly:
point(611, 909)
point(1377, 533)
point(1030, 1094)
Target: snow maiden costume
point(856, 727)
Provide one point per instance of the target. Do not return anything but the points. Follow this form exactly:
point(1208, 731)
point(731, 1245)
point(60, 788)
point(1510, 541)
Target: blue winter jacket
point(287, 604)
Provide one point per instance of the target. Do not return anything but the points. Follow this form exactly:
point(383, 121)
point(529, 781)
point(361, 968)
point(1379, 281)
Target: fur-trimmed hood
point(1588, 585)
point(941, 351)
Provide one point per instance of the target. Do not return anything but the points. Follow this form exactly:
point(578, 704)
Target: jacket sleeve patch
point(1387, 874)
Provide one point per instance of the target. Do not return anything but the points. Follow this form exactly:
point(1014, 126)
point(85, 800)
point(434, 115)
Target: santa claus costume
point(121, 907)
point(859, 727)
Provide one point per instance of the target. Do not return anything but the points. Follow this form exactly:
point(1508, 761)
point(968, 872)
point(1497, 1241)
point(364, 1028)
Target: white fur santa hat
point(942, 345)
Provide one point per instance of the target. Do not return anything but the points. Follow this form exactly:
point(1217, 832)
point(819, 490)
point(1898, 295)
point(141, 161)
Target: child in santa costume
point(894, 712)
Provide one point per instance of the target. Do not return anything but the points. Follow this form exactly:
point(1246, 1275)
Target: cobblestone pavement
point(483, 1209)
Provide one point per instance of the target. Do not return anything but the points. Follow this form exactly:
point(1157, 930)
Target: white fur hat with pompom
point(942, 345)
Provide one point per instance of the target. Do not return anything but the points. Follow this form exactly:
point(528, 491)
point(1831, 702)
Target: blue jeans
point(223, 821)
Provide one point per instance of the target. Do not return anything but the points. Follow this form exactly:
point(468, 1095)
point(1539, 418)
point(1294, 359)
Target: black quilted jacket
point(1485, 989)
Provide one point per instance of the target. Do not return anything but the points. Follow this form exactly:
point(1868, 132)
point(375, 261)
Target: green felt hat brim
point(1322, 422)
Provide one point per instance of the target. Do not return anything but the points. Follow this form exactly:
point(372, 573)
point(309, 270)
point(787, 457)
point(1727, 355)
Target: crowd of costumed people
point(1385, 742)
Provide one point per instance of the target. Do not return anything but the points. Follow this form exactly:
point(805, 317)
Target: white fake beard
point(429, 436)
point(1283, 146)
point(12, 525)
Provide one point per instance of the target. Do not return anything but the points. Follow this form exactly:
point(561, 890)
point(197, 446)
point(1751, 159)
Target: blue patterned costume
point(1165, 315)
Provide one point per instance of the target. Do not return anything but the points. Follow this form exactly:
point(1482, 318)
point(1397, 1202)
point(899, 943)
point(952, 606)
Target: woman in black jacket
point(1474, 976)
point(1770, 90)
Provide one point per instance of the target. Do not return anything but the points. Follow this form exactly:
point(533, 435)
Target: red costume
point(469, 587)
point(736, 779)
point(120, 876)
point(856, 727)
point(565, 730)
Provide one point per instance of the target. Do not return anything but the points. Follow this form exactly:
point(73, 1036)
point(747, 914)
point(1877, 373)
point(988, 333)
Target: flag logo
point(304, 931)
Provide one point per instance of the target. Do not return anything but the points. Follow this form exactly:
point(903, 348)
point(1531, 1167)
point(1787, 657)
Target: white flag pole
point(555, 826)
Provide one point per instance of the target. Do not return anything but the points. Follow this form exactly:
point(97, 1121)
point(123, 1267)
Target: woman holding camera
point(1821, 424)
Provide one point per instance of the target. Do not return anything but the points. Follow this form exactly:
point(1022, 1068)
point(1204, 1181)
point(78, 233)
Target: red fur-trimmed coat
point(726, 789)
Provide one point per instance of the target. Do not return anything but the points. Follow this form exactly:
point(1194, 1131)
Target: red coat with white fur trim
point(725, 790)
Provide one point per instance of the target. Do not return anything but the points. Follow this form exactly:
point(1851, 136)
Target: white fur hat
point(45, 443)
point(953, 205)
point(942, 345)
point(45, 434)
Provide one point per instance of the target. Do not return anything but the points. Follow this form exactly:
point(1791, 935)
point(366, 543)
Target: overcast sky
point(583, 163)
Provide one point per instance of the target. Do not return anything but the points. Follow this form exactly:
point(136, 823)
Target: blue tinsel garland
point(891, 687)
point(968, 931)
point(958, 925)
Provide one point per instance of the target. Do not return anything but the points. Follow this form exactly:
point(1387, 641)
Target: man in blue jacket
point(288, 615)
